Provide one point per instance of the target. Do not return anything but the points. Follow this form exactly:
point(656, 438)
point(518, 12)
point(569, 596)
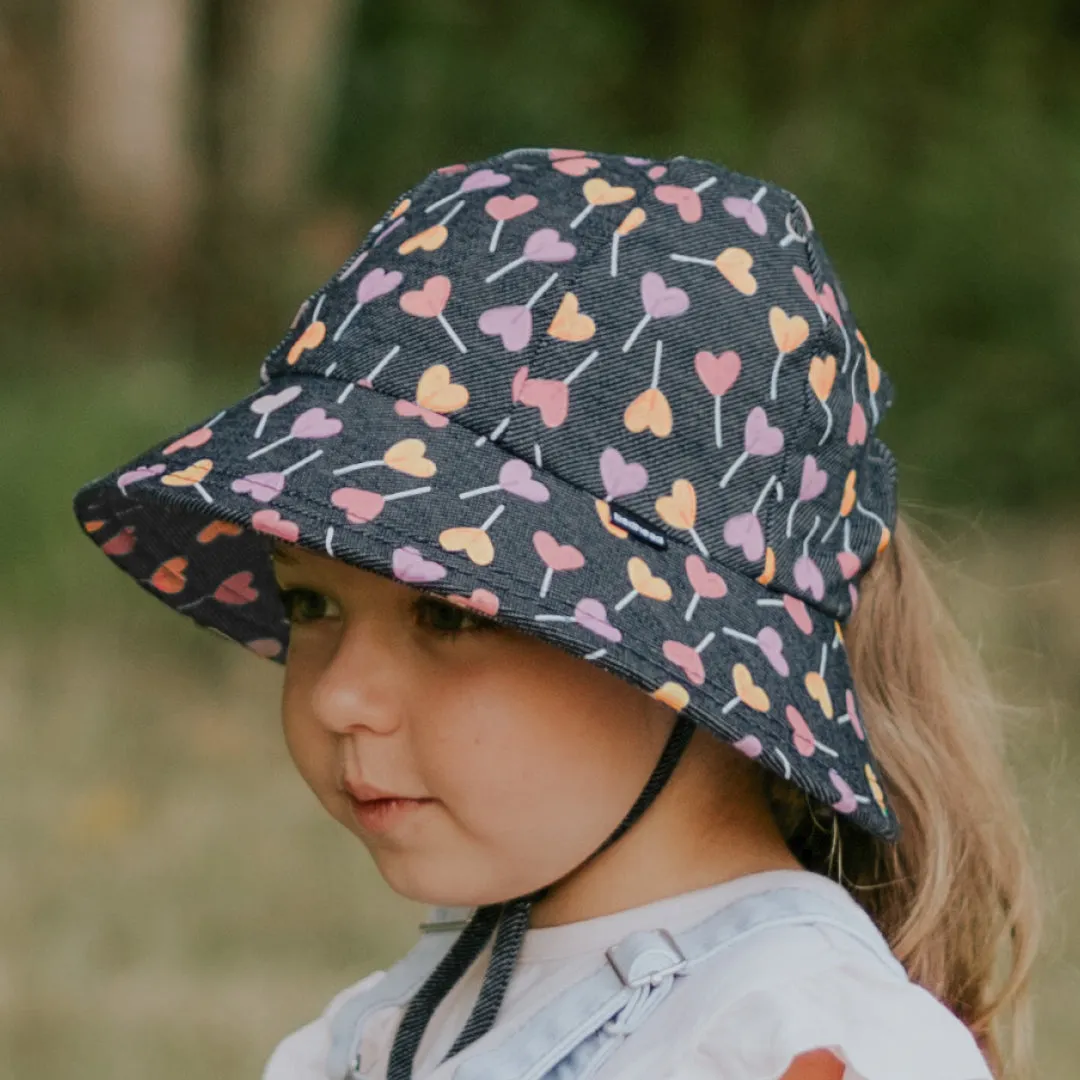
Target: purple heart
point(660, 301)
point(260, 486)
point(761, 439)
point(409, 565)
point(143, 472)
point(516, 477)
point(513, 324)
point(750, 745)
point(744, 530)
point(269, 402)
point(813, 479)
point(375, 283)
point(483, 179)
point(544, 245)
point(808, 577)
point(749, 211)
point(772, 645)
point(314, 424)
point(847, 801)
point(621, 477)
point(590, 613)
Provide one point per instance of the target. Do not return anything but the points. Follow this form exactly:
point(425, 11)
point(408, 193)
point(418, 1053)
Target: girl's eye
point(306, 605)
point(449, 619)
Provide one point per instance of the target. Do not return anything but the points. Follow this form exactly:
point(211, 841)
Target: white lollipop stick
point(450, 330)
point(706, 640)
point(692, 606)
point(828, 424)
point(581, 367)
point(615, 255)
point(549, 573)
point(492, 517)
point(499, 428)
point(740, 635)
point(770, 603)
point(405, 494)
point(707, 184)
point(636, 331)
point(496, 232)
point(397, 223)
point(453, 211)
point(270, 446)
point(371, 374)
point(582, 216)
point(301, 463)
point(358, 465)
point(626, 599)
point(694, 259)
point(697, 540)
point(352, 266)
point(330, 541)
point(716, 421)
point(506, 269)
point(734, 465)
point(480, 491)
point(554, 618)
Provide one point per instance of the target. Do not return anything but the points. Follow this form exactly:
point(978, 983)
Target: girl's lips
point(381, 815)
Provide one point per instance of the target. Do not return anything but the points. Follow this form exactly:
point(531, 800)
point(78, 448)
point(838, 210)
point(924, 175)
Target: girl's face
point(531, 757)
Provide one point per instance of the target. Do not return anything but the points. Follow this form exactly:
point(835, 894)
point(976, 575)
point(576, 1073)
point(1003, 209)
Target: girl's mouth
point(382, 815)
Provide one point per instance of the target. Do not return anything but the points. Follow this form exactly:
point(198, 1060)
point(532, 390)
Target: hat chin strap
point(512, 919)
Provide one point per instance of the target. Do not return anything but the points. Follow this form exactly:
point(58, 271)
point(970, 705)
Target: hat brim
point(203, 549)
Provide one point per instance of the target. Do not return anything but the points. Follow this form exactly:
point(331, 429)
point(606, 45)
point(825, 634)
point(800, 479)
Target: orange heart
point(407, 456)
point(734, 263)
point(749, 692)
point(679, 509)
point(94, 526)
point(400, 208)
point(848, 501)
point(195, 473)
point(311, 338)
point(600, 193)
point(569, 324)
point(822, 376)
point(767, 574)
point(650, 409)
point(216, 529)
point(436, 392)
point(816, 688)
point(169, 576)
point(632, 220)
point(875, 787)
point(788, 331)
point(883, 543)
point(645, 582)
point(873, 374)
point(429, 240)
point(671, 693)
point(603, 510)
point(474, 542)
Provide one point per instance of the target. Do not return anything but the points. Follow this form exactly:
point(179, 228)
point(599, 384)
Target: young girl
point(556, 502)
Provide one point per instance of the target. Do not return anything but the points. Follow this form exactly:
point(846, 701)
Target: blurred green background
point(176, 175)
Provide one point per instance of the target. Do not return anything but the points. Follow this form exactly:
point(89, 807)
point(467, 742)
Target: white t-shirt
point(781, 993)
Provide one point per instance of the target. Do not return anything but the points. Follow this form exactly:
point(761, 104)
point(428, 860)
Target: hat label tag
point(637, 527)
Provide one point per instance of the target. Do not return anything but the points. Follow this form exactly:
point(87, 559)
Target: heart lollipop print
point(515, 477)
point(768, 641)
point(431, 238)
point(406, 455)
point(544, 246)
point(513, 322)
point(598, 192)
point(822, 376)
point(429, 301)
point(633, 219)
point(802, 737)
point(590, 613)
point(789, 332)
point(270, 403)
point(272, 523)
point(718, 373)
point(410, 566)
point(482, 600)
point(650, 409)
point(847, 504)
point(704, 582)
point(503, 208)
point(746, 691)
point(619, 476)
point(313, 336)
point(235, 591)
point(436, 395)
point(481, 180)
point(807, 573)
point(569, 323)
point(644, 583)
point(679, 510)
point(193, 439)
point(191, 476)
point(744, 530)
point(759, 439)
point(133, 476)
point(573, 162)
point(375, 283)
point(660, 302)
point(825, 302)
point(263, 487)
point(733, 263)
point(749, 210)
point(169, 577)
point(362, 506)
point(686, 200)
point(813, 483)
point(474, 541)
point(851, 716)
point(121, 543)
point(689, 659)
point(310, 424)
point(848, 561)
point(555, 556)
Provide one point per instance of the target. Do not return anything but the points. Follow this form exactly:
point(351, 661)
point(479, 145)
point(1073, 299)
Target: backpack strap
point(589, 1021)
point(401, 981)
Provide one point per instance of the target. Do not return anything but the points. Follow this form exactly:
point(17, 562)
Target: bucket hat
point(617, 402)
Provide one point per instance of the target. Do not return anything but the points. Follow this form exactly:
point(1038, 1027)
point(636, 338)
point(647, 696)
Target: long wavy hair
point(959, 897)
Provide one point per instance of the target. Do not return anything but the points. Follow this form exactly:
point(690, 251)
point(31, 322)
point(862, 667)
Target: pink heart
point(427, 302)
point(268, 647)
point(544, 245)
point(555, 555)
point(192, 439)
point(576, 166)
point(806, 283)
point(360, 506)
point(481, 599)
point(521, 377)
point(429, 416)
point(315, 424)
point(269, 402)
point(827, 299)
point(686, 658)
point(590, 613)
point(750, 745)
point(797, 610)
point(703, 580)
point(849, 563)
point(685, 199)
point(744, 530)
point(761, 439)
point(550, 396)
point(813, 479)
point(504, 208)
point(143, 472)
point(237, 589)
point(619, 476)
point(718, 373)
point(847, 801)
point(801, 735)
point(375, 283)
point(856, 432)
point(808, 577)
point(561, 153)
point(749, 211)
point(630, 160)
point(853, 593)
point(449, 170)
point(260, 486)
point(483, 179)
point(409, 565)
point(516, 477)
point(853, 715)
point(656, 172)
point(123, 543)
point(772, 645)
point(660, 301)
point(270, 521)
point(513, 324)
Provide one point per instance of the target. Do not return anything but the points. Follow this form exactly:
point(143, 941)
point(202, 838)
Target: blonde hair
point(958, 897)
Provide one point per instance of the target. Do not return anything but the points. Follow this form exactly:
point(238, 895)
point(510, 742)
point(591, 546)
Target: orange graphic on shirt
point(815, 1065)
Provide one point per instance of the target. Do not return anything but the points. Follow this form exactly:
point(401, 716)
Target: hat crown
point(668, 336)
